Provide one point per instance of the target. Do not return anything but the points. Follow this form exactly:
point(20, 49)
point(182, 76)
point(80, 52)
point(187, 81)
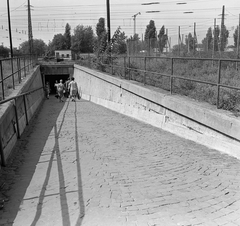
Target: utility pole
point(194, 37)
point(134, 20)
point(214, 27)
point(30, 35)
point(108, 22)
point(179, 40)
point(167, 40)
point(169, 43)
point(9, 28)
point(238, 38)
point(222, 29)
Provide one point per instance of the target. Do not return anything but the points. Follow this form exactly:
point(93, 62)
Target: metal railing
point(23, 95)
point(127, 67)
point(12, 70)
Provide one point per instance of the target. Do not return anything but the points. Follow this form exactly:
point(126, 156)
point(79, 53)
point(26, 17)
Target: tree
point(100, 28)
point(133, 44)
point(150, 33)
point(208, 40)
point(235, 37)
point(216, 39)
point(39, 47)
point(67, 36)
point(224, 37)
point(191, 43)
point(119, 42)
point(4, 51)
point(101, 43)
point(58, 43)
point(162, 39)
point(83, 39)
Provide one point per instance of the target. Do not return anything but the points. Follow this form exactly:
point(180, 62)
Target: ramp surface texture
point(82, 164)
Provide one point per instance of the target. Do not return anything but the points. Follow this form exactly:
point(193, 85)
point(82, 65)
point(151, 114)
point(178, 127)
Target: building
point(63, 54)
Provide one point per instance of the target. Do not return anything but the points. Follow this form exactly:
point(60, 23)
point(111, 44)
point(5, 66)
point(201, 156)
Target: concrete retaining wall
point(187, 118)
point(8, 116)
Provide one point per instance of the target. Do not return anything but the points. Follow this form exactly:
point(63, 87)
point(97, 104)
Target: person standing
point(55, 86)
point(73, 89)
point(47, 90)
point(66, 85)
point(60, 89)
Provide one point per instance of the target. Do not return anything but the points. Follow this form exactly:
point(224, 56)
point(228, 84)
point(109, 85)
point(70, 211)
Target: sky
point(49, 17)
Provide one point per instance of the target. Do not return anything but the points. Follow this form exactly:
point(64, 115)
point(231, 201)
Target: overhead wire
point(45, 14)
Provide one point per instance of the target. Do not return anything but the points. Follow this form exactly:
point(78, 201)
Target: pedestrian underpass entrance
point(51, 79)
point(52, 72)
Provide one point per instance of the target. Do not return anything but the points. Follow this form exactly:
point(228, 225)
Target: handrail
point(20, 95)
point(3, 162)
point(14, 69)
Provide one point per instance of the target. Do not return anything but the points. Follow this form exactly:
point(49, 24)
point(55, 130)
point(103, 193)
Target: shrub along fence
point(216, 81)
point(12, 71)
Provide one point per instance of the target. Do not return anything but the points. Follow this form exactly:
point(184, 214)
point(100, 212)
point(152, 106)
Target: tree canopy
point(216, 38)
point(191, 43)
point(119, 42)
point(235, 37)
point(39, 47)
point(4, 51)
point(67, 36)
point(224, 34)
point(150, 33)
point(162, 39)
point(83, 39)
point(58, 43)
point(101, 43)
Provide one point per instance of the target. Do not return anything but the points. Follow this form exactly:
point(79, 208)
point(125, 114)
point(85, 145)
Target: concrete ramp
point(79, 163)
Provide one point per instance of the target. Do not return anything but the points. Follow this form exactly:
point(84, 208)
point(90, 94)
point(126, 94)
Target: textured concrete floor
point(82, 164)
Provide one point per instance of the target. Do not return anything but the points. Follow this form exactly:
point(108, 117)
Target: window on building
point(67, 55)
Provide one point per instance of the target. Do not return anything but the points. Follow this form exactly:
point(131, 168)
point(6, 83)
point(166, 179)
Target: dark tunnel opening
point(52, 78)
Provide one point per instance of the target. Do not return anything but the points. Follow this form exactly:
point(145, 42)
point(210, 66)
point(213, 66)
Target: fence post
point(171, 77)
point(29, 63)
point(89, 61)
point(145, 68)
point(112, 64)
point(129, 71)
point(24, 63)
point(124, 67)
point(12, 73)
point(3, 162)
point(18, 70)
point(2, 80)
point(218, 82)
point(25, 108)
point(16, 114)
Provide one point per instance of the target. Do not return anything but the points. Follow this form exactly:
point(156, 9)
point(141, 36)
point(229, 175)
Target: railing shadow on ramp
point(38, 133)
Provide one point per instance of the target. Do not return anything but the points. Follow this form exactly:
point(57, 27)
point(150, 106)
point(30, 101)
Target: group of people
point(67, 89)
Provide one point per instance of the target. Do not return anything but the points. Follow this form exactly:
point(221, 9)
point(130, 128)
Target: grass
point(202, 70)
